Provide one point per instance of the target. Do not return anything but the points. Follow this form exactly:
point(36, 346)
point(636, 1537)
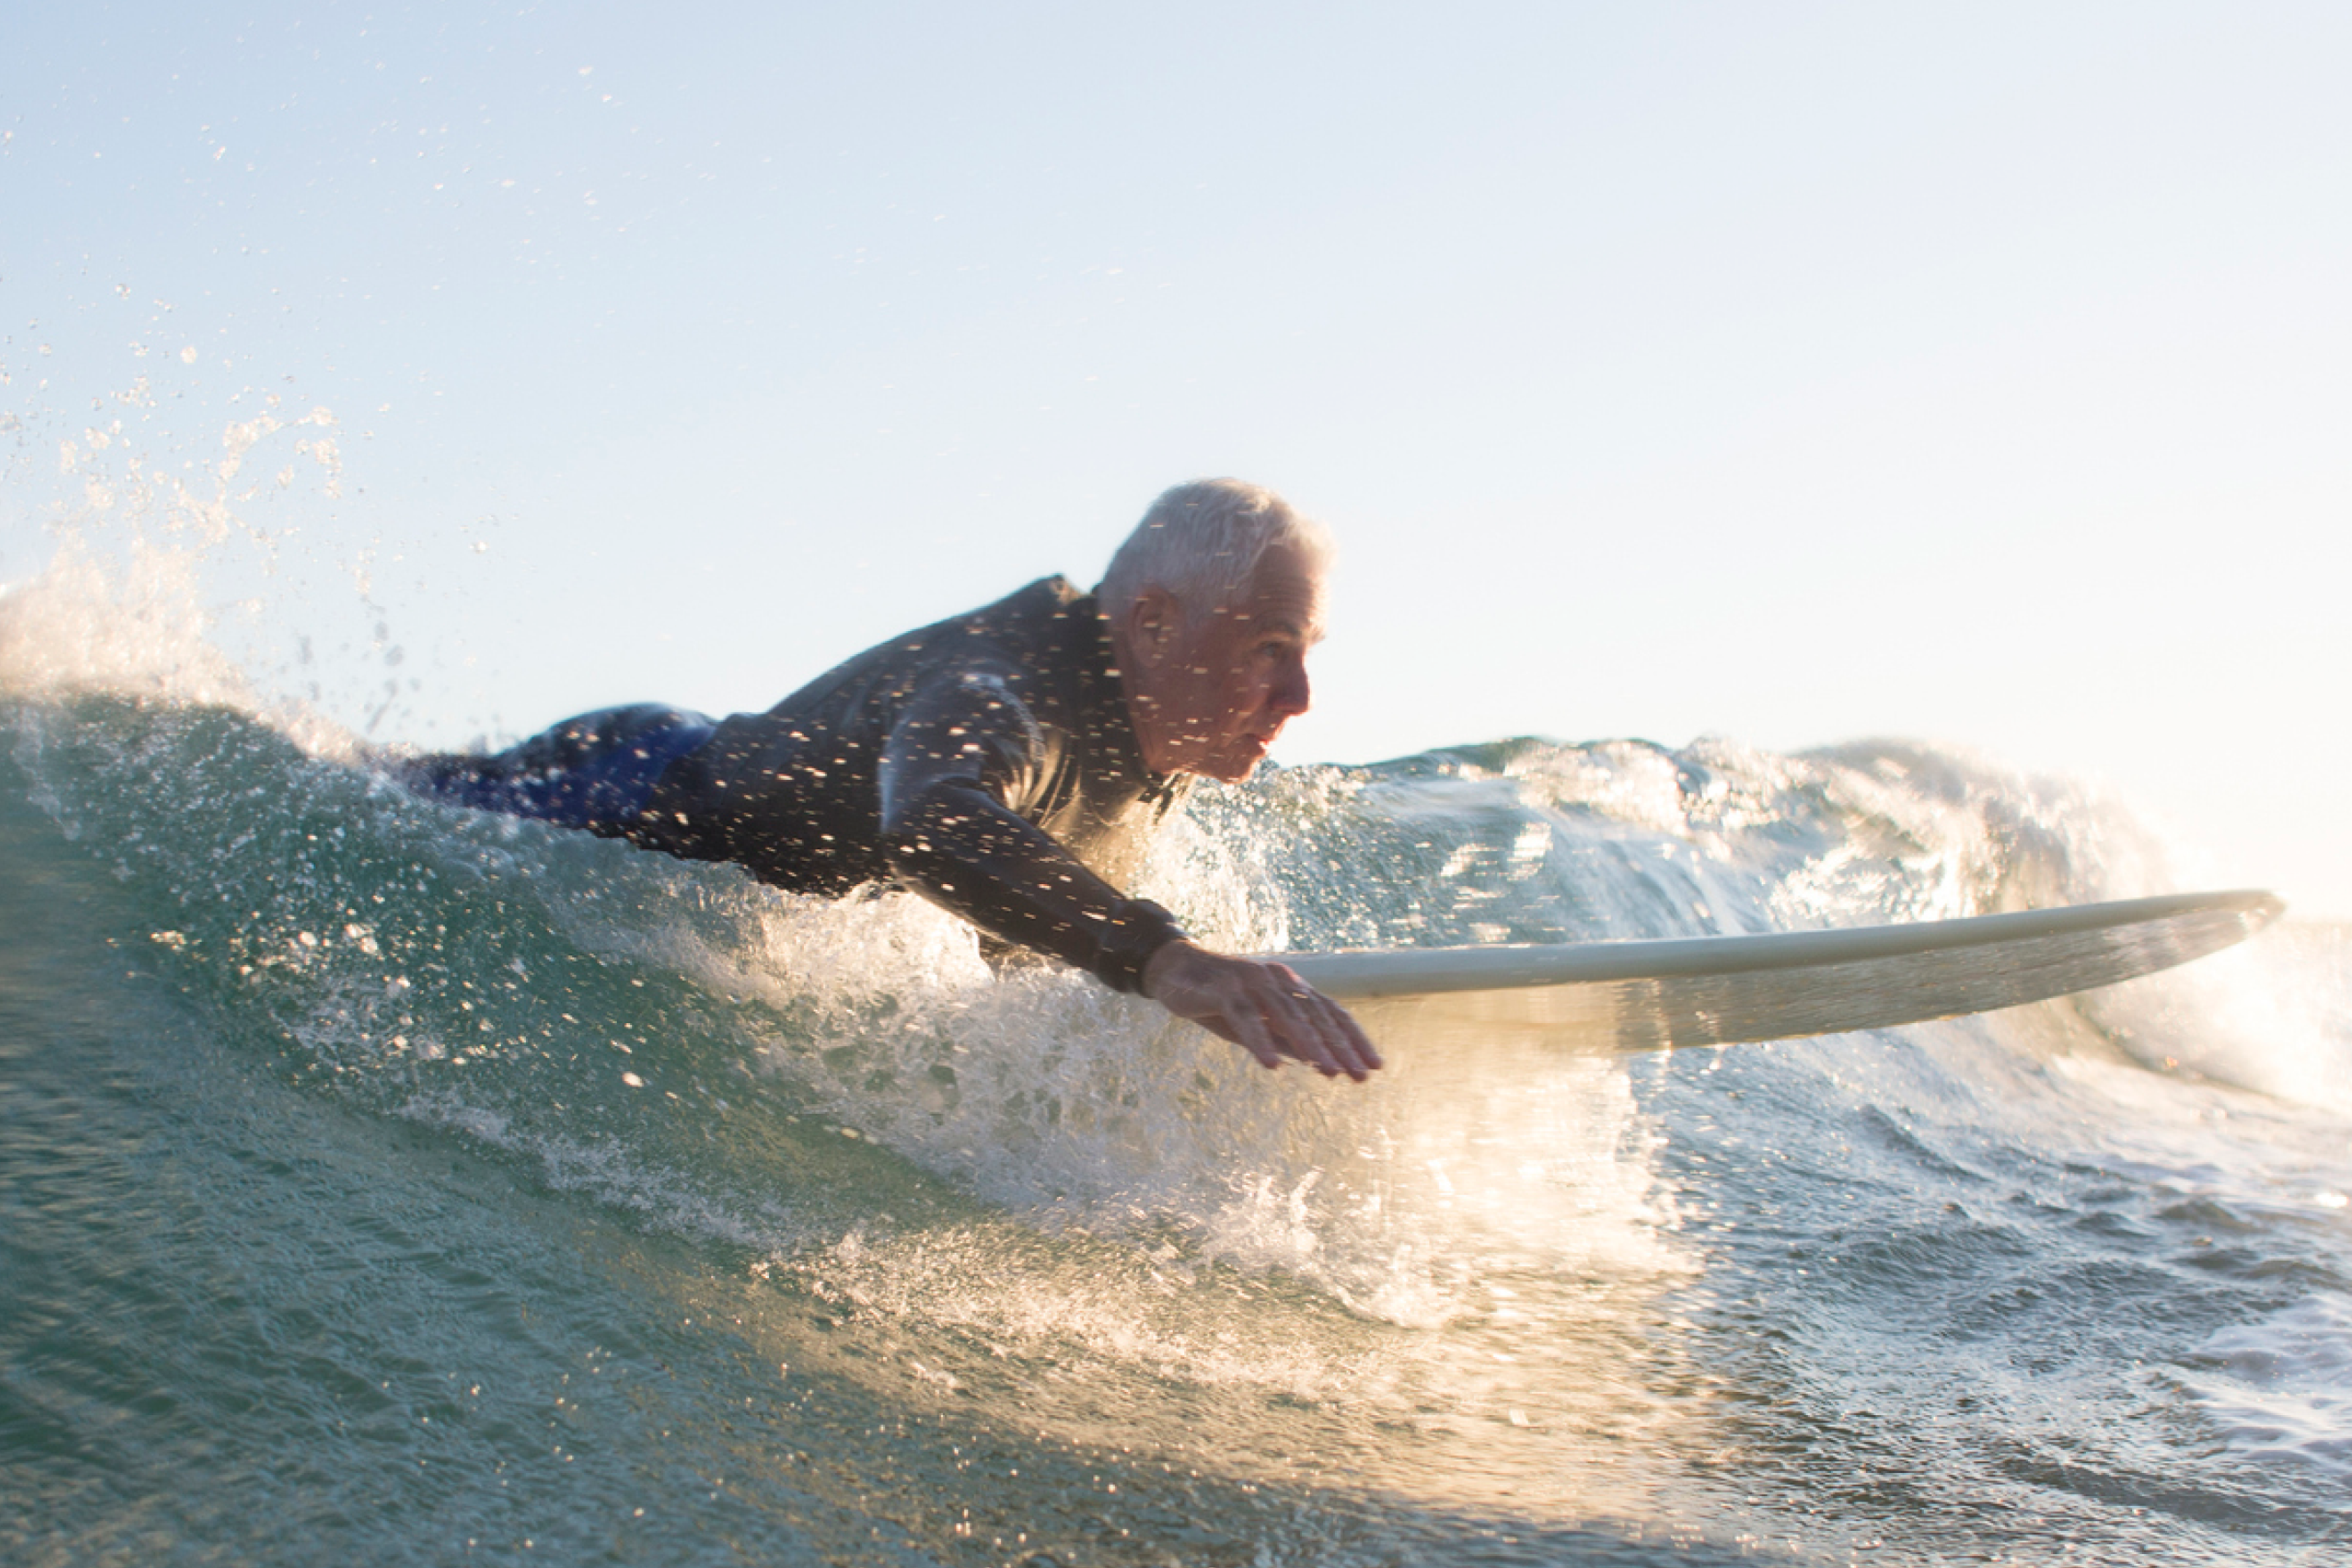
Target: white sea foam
point(1079, 1109)
point(2274, 1014)
point(130, 624)
point(168, 579)
point(1044, 1092)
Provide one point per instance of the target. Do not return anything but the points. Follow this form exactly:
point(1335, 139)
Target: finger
point(1360, 1045)
point(1345, 1043)
point(1290, 1007)
point(1250, 1033)
point(1338, 1045)
point(1299, 1021)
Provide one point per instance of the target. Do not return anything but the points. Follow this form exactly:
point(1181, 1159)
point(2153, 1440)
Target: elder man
point(1007, 763)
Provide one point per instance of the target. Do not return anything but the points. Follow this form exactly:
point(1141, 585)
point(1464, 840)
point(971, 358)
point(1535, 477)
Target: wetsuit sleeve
point(965, 753)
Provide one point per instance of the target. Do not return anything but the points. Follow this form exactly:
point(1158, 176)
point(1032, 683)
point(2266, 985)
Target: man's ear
point(1152, 627)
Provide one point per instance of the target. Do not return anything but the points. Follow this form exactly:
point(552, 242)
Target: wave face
point(395, 1181)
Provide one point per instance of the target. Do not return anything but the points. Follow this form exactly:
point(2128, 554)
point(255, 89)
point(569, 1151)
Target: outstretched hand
point(1264, 1008)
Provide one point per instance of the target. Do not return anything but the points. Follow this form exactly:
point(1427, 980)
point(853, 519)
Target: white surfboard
point(1617, 996)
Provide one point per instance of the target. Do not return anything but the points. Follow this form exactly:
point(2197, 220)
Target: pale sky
point(1790, 372)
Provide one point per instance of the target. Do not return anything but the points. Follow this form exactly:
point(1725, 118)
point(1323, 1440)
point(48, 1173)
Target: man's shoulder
point(1048, 599)
point(1027, 627)
point(1019, 636)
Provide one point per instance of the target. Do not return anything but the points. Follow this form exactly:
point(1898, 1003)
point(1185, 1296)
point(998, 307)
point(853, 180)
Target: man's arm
point(957, 755)
point(959, 752)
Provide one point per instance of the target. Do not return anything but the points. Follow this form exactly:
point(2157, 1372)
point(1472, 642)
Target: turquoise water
point(388, 1182)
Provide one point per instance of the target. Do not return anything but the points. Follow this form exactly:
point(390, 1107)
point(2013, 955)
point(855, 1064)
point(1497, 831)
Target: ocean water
point(389, 1183)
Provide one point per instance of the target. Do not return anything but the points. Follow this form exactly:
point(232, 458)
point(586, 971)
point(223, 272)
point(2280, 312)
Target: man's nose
point(1291, 695)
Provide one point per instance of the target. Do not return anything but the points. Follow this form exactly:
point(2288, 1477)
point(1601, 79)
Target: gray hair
point(1202, 542)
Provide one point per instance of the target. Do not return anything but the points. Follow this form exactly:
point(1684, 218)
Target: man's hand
point(1264, 1008)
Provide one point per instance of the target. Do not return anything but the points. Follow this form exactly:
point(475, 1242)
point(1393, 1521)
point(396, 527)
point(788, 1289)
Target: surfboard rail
point(1646, 993)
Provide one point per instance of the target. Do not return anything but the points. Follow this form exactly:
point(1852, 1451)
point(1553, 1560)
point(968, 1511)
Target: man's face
point(1216, 689)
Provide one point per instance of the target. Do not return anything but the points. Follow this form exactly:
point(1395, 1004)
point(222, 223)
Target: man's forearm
point(960, 847)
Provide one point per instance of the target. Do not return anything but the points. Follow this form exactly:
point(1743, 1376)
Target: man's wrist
point(1137, 934)
point(1156, 967)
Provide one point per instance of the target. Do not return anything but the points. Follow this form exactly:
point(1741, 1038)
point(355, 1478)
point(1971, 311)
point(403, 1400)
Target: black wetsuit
point(988, 762)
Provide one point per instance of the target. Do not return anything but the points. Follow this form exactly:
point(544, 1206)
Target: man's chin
point(1238, 767)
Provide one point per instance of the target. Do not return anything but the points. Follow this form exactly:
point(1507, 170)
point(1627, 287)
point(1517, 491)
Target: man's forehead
point(1287, 596)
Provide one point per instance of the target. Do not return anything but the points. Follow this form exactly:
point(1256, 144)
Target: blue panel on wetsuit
point(595, 771)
